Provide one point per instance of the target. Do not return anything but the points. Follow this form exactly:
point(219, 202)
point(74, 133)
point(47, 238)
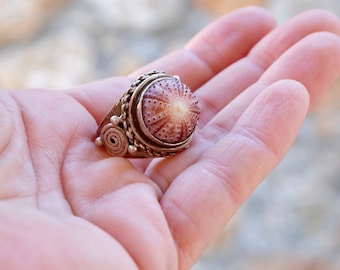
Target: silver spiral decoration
point(114, 140)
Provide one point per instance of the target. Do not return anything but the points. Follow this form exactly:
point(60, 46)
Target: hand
point(66, 204)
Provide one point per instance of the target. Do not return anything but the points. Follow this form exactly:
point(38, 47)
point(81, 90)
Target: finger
point(324, 50)
point(205, 196)
point(312, 21)
point(238, 77)
point(220, 44)
point(314, 61)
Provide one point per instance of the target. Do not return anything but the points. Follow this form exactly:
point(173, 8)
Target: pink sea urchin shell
point(170, 111)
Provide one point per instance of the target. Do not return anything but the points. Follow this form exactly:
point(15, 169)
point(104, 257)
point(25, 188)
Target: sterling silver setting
point(155, 117)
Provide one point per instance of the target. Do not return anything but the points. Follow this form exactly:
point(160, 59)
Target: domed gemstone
point(170, 111)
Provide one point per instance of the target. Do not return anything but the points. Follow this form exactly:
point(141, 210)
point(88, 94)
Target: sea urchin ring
point(156, 117)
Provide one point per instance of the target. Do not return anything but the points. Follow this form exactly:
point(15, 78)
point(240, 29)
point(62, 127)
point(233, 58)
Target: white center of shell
point(179, 109)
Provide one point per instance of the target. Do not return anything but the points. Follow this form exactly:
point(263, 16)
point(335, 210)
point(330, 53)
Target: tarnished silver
point(155, 117)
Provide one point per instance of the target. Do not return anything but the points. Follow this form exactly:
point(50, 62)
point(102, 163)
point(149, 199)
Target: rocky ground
point(292, 221)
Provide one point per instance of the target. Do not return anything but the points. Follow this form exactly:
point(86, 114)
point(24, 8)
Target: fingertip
point(325, 17)
point(295, 92)
point(231, 37)
point(217, 46)
point(252, 13)
point(275, 116)
point(257, 12)
point(293, 96)
point(327, 46)
point(314, 61)
point(287, 35)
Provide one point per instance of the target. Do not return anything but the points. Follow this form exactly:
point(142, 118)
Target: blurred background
point(292, 221)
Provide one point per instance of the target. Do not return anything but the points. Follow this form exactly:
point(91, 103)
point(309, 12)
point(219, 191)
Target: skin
point(67, 204)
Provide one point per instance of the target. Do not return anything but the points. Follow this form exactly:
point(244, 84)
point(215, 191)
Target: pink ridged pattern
point(170, 110)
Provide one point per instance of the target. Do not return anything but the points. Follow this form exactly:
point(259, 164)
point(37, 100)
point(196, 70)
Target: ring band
point(155, 117)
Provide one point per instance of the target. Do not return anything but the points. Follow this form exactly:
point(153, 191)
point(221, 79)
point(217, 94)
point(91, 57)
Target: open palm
point(66, 204)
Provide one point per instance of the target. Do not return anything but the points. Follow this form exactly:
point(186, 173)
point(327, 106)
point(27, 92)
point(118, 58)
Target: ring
point(155, 117)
